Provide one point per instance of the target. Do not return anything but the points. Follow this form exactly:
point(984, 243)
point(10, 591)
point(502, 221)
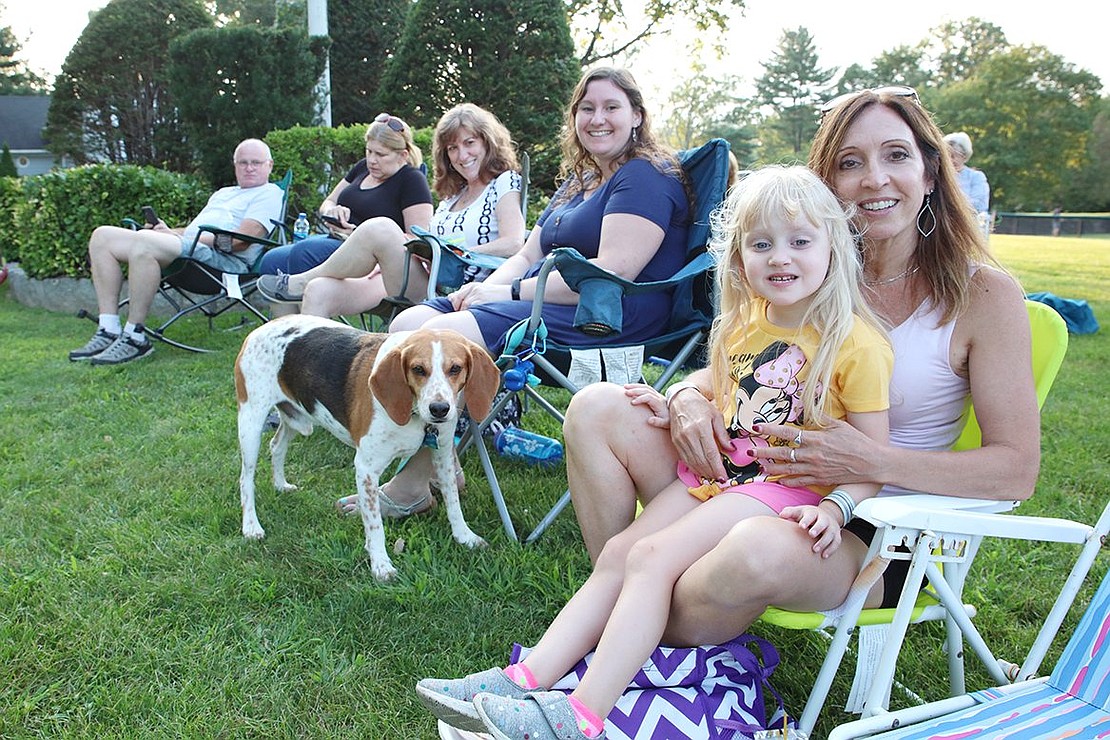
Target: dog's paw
point(285, 487)
point(253, 530)
point(383, 572)
point(473, 541)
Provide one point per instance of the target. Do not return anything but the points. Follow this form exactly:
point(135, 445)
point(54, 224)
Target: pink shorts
point(775, 495)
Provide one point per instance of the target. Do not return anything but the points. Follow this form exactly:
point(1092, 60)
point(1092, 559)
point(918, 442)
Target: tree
point(512, 57)
point(904, 65)
point(605, 30)
point(261, 13)
point(364, 36)
point(1029, 114)
point(111, 101)
point(793, 86)
point(706, 108)
point(957, 48)
point(15, 77)
point(7, 164)
point(241, 82)
point(1089, 189)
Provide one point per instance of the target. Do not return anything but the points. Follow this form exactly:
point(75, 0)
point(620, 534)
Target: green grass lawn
point(130, 605)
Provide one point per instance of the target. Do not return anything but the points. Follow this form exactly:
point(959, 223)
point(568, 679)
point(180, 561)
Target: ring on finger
point(798, 439)
point(793, 455)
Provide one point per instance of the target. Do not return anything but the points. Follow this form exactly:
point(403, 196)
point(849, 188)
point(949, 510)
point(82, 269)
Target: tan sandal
point(348, 506)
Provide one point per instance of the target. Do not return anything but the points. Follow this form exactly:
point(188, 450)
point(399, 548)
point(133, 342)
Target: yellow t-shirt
point(769, 369)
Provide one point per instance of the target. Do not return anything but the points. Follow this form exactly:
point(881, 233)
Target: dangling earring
point(635, 134)
point(926, 216)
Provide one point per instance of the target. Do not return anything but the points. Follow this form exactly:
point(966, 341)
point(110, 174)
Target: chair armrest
point(600, 291)
point(909, 716)
point(284, 230)
point(577, 271)
point(961, 516)
point(235, 235)
point(449, 262)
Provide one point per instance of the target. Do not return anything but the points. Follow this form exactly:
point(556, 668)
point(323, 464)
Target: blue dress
point(637, 188)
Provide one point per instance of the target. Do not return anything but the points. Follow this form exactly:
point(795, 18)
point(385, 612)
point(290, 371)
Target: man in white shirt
point(246, 208)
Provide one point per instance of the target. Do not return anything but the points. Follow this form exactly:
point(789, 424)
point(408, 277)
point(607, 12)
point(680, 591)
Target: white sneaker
point(100, 341)
point(124, 349)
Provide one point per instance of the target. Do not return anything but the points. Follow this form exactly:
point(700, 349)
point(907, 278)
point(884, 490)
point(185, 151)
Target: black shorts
point(895, 575)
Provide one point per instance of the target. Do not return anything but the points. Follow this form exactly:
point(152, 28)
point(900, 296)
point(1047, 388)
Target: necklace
point(889, 280)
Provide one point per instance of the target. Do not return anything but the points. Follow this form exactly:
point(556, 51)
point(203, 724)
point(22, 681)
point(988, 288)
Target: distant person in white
point(972, 181)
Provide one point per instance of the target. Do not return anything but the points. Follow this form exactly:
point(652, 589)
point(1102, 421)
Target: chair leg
point(495, 487)
point(474, 437)
point(876, 700)
point(838, 645)
point(549, 517)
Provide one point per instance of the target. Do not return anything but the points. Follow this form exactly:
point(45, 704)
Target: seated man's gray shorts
point(213, 257)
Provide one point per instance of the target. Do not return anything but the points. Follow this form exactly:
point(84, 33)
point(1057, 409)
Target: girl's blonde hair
point(793, 192)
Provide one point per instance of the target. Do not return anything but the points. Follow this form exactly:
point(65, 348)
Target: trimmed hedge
point(11, 195)
point(58, 210)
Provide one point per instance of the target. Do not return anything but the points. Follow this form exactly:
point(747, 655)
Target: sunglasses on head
point(898, 91)
point(393, 122)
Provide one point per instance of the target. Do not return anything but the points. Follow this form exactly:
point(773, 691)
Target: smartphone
point(150, 216)
point(332, 220)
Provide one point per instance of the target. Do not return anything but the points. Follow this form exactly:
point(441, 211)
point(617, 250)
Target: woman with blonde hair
point(385, 190)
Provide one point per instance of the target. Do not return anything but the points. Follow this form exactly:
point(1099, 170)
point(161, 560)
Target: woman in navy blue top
point(623, 205)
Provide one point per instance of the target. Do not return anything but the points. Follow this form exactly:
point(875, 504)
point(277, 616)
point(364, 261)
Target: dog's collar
point(431, 436)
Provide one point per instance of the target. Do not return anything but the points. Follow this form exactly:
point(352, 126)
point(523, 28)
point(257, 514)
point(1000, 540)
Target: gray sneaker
point(124, 349)
point(275, 288)
point(541, 715)
point(100, 341)
point(451, 699)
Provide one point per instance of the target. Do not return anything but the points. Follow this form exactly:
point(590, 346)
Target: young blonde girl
point(793, 343)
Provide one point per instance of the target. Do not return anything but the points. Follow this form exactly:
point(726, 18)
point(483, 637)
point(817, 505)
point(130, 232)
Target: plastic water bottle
point(529, 447)
point(300, 227)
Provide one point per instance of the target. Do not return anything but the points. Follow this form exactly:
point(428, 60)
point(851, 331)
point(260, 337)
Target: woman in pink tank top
point(959, 329)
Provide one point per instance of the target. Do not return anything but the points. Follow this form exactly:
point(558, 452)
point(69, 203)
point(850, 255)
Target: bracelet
point(514, 289)
point(677, 388)
point(844, 502)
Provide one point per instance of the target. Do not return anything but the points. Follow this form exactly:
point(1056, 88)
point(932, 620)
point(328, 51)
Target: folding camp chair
point(600, 291)
point(191, 286)
point(1073, 702)
point(931, 533)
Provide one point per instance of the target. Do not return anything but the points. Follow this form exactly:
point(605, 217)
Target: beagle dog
point(386, 395)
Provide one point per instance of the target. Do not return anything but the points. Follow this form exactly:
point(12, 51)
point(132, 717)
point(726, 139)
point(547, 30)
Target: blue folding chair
point(600, 291)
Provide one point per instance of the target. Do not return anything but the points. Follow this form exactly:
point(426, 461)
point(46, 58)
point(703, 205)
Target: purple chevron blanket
point(712, 692)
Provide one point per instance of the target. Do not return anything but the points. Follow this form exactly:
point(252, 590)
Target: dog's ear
point(390, 386)
point(481, 383)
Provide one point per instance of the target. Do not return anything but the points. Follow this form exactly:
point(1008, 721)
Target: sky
point(47, 29)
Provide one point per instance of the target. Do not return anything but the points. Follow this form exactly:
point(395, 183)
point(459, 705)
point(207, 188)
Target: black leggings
point(895, 575)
